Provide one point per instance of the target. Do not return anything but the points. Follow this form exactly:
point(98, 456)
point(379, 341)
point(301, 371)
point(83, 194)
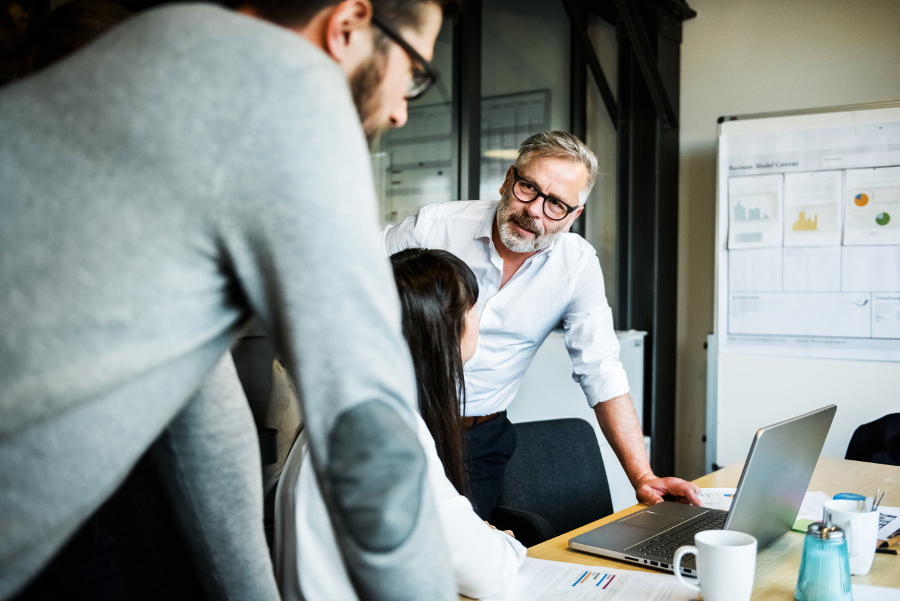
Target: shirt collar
point(485, 228)
point(487, 222)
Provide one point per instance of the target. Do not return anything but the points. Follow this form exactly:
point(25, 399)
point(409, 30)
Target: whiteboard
point(801, 319)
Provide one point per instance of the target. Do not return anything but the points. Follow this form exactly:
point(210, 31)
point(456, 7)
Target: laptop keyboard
point(668, 542)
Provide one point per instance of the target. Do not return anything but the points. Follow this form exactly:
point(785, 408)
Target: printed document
point(754, 211)
point(541, 580)
point(721, 498)
point(888, 522)
point(812, 208)
point(873, 206)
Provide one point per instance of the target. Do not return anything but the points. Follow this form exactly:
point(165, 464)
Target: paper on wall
point(872, 206)
point(755, 270)
point(870, 268)
point(812, 269)
point(812, 208)
point(542, 580)
point(822, 314)
point(754, 211)
point(886, 316)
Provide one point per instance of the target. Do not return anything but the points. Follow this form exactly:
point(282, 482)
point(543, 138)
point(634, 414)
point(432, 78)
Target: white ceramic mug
point(726, 564)
point(861, 529)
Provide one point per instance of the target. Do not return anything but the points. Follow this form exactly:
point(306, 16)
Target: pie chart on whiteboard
point(861, 200)
point(882, 218)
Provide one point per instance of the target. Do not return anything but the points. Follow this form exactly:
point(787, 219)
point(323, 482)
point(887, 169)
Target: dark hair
point(436, 290)
point(297, 13)
point(66, 29)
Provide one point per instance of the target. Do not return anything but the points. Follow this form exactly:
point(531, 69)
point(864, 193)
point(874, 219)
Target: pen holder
point(825, 565)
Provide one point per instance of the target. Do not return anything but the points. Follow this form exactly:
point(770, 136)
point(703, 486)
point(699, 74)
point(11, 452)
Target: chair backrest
point(557, 472)
point(877, 442)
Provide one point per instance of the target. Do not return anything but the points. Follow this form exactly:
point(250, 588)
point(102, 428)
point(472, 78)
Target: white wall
point(744, 56)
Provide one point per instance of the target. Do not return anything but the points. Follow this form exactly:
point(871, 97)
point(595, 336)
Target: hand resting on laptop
point(650, 490)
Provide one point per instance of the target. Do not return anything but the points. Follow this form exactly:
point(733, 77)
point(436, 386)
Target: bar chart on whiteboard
point(813, 242)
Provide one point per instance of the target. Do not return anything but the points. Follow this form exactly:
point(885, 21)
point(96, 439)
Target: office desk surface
point(778, 565)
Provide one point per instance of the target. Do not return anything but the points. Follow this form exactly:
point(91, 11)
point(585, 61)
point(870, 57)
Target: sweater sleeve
point(299, 229)
point(209, 460)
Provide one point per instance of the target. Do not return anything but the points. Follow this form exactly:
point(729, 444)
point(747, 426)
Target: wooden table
point(778, 565)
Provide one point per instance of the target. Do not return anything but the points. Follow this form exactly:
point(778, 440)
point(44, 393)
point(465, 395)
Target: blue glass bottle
point(825, 565)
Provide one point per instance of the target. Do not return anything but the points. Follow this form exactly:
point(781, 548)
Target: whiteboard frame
point(717, 409)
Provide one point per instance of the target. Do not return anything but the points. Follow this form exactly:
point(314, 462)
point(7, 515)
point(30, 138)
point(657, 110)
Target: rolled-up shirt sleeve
point(590, 338)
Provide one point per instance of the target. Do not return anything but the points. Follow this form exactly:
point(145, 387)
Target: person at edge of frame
point(180, 174)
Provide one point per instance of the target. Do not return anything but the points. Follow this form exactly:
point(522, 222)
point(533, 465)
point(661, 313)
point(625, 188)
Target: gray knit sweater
point(187, 170)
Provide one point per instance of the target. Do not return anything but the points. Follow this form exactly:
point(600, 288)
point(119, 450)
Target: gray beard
point(516, 242)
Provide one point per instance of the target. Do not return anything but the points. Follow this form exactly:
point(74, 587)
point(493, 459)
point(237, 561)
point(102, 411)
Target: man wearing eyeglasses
point(189, 170)
point(532, 276)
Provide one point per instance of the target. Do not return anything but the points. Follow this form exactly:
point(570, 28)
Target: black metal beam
point(466, 133)
point(578, 19)
point(577, 105)
point(623, 189)
point(577, 86)
point(646, 59)
point(647, 229)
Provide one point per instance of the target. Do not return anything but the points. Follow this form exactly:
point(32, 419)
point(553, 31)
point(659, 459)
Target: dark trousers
point(489, 446)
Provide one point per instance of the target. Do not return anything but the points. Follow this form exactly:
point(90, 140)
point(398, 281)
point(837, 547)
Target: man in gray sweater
point(189, 170)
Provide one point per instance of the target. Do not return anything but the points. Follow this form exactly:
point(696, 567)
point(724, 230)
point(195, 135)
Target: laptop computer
point(768, 497)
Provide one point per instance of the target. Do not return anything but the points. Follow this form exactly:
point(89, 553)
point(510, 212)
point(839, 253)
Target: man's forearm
point(620, 426)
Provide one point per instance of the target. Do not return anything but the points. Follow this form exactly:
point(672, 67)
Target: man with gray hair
point(531, 275)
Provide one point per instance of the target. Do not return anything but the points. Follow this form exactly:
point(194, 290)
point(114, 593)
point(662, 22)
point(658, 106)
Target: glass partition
point(413, 165)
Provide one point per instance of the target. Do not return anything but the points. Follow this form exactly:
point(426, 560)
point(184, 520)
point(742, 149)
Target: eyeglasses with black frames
point(527, 192)
point(424, 73)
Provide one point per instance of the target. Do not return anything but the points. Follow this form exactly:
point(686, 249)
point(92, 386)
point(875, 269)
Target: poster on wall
point(809, 227)
point(873, 207)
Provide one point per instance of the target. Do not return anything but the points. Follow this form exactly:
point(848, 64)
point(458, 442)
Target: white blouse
point(307, 558)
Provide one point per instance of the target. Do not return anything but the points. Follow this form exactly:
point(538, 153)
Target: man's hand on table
point(650, 490)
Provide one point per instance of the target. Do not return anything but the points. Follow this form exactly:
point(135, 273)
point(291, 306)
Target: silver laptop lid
point(777, 473)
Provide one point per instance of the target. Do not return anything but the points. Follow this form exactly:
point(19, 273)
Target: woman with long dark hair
point(438, 293)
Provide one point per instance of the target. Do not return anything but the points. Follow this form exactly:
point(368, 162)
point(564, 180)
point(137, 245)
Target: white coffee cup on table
point(861, 529)
point(726, 564)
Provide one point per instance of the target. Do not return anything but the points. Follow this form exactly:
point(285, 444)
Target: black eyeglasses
point(525, 191)
point(424, 73)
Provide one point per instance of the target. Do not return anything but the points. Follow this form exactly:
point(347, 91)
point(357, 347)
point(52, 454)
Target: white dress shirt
point(561, 282)
point(308, 563)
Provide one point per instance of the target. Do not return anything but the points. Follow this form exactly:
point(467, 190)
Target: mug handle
point(676, 566)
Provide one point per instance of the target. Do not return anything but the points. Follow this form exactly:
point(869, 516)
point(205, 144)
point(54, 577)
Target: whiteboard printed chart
point(813, 242)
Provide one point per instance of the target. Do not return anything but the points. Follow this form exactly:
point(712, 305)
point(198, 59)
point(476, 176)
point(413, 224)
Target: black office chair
point(555, 481)
point(877, 442)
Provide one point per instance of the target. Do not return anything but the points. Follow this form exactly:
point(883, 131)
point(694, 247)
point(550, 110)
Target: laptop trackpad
point(651, 520)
